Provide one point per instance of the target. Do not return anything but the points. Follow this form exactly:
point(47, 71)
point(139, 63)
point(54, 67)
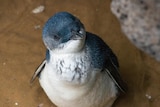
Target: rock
point(140, 21)
point(38, 9)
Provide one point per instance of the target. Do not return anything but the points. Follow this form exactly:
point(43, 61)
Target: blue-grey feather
point(47, 55)
point(103, 58)
point(61, 24)
point(99, 51)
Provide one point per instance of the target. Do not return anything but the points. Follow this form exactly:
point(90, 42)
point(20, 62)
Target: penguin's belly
point(73, 83)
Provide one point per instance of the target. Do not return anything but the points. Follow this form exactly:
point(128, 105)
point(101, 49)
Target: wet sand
point(22, 50)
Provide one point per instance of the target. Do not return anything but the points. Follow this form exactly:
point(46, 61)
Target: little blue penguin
point(80, 69)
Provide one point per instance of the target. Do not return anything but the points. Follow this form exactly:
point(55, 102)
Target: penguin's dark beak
point(76, 36)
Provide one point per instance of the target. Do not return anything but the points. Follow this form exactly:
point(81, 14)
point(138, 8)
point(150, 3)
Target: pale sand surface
point(22, 50)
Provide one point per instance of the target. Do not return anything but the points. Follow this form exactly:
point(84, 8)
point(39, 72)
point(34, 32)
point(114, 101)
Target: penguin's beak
point(76, 36)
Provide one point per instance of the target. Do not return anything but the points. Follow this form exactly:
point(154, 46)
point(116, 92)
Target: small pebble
point(37, 27)
point(148, 96)
point(40, 105)
point(16, 103)
point(38, 9)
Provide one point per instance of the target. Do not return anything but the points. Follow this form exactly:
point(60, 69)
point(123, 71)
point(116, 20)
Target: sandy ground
point(22, 50)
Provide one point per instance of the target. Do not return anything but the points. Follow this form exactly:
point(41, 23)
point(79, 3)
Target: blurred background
point(22, 50)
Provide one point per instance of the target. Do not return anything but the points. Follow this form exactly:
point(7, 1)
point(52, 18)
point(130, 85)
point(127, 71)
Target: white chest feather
point(69, 81)
point(71, 68)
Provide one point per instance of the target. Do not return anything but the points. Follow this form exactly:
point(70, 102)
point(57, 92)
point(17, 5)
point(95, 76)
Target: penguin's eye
point(56, 37)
